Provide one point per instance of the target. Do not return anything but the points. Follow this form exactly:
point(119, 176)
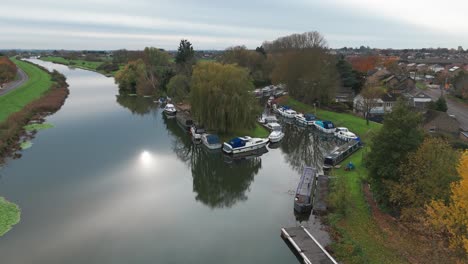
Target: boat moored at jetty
point(197, 131)
point(344, 134)
point(303, 200)
point(184, 120)
point(325, 126)
point(244, 144)
point(170, 110)
point(211, 141)
point(277, 133)
point(305, 119)
point(286, 111)
point(341, 153)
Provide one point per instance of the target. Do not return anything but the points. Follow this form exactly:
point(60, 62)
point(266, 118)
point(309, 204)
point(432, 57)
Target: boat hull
point(245, 148)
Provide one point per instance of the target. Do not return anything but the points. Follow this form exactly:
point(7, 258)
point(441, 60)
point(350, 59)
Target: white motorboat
point(244, 144)
point(325, 126)
point(305, 119)
point(197, 132)
point(211, 141)
point(277, 134)
point(289, 113)
point(170, 110)
point(344, 134)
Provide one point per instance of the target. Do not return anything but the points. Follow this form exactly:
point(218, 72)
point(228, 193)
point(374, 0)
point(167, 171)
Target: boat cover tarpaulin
point(212, 139)
point(328, 124)
point(236, 142)
point(309, 117)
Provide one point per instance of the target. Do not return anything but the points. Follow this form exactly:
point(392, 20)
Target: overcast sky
point(134, 24)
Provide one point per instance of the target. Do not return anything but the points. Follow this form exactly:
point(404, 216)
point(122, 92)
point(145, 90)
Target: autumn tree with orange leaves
point(364, 63)
point(7, 70)
point(452, 218)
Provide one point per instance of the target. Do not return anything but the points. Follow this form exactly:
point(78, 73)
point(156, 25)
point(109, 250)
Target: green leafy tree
point(399, 135)
point(221, 97)
point(185, 57)
point(179, 87)
point(157, 62)
point(127, 78)
point(350, 77)
point(310, 74)
point(259, 65)
point(426, 175)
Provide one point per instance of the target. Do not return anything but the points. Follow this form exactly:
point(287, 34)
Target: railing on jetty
point(341, 153)
point(306, 248)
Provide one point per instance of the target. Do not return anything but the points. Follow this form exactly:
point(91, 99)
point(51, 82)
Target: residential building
point(441, 122)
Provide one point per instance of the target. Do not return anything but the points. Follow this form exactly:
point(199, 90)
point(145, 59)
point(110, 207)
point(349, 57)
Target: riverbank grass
point(358, 237)
point(39, 82)
point(9, 215)
point(38, 127)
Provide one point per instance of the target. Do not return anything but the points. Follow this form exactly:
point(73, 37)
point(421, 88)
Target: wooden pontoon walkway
point(305, 246)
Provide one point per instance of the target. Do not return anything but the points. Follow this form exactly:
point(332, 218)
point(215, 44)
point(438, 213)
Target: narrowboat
point(341, 153)
point(304, 198)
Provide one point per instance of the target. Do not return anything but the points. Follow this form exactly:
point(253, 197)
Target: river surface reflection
point(117, 182)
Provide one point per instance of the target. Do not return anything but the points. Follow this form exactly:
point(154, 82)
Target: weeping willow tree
point(221, 97)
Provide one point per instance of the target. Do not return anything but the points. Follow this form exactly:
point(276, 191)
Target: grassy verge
point(358, 238)
point(39, 82)
point(9, 215)
point(354, 123)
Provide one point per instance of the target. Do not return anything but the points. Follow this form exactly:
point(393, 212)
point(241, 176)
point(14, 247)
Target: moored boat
point(305, 119)
point(197, 132)
point(277, 134)
point(170, 110)
point(303, 199)
point(344, 134)
point(289, 113)
point(211, 141)
point(184, 120)
point(244, 144)
point(325, 126)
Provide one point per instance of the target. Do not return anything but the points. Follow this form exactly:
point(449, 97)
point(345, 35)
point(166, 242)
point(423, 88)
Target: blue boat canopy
point(212, 139)
point(328, 124)
point(285, 107)
point(309, 117)
point(237, 142)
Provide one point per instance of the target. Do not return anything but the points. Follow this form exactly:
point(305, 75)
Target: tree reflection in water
point(136, 104)
point(306, 147)
point(218, 180)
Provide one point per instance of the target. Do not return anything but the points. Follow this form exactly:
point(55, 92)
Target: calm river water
point(116, 182)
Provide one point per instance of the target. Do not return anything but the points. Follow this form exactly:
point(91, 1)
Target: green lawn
point(9, 215)
point(421, 86)
point(362, 240)
point(38, 83)
point(354, 123)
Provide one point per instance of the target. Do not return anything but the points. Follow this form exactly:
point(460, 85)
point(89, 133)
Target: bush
point(108, 67)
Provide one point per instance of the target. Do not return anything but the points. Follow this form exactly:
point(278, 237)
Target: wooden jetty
point(306, 248)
